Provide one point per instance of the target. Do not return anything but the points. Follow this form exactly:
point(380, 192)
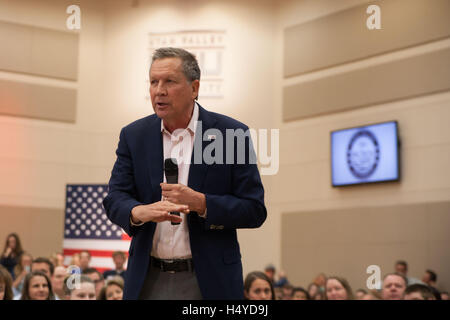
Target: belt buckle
point(167, 261)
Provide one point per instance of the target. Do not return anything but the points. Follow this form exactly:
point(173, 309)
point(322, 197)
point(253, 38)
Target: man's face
point(85, 258)
point(171, 93)
point(393, 288)
point(400, 268)
point(58, 278)
point(97, 281)
point(118, 262)
point(42, 267)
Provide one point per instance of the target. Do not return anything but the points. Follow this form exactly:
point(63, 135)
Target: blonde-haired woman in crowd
point(337, 288)
point(113, 289)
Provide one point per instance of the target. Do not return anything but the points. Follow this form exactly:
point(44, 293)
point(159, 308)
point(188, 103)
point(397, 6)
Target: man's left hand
point(181, 194)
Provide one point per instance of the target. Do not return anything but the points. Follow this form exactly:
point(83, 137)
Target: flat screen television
point(365, 154)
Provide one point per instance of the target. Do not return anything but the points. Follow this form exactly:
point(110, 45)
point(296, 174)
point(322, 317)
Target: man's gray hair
point(189, 63)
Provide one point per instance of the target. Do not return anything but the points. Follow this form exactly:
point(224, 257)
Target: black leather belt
point(172, 266)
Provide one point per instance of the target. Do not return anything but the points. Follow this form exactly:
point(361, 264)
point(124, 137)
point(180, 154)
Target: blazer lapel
point(155, 158)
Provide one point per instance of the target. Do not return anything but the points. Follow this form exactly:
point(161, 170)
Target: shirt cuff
point(135, 224)
point(203, 215)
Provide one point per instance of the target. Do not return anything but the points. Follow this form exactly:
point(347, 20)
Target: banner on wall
point(208, 47)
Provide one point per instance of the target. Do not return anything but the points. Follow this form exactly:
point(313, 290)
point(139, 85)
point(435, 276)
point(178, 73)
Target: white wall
point(303, 182)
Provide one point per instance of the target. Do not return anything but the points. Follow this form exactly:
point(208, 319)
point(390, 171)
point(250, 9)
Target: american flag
point(86, 226)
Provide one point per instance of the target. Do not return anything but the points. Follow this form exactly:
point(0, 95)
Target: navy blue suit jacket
point(234, 199)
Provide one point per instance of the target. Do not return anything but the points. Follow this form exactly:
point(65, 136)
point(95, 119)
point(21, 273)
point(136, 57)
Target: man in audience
point(58, 282)
point(119, 259)
point(430, 279)
point(394, 285)
point(298, 293)
point(401, 267)
point(96, 277)
point(419, 292)
point(85, 260)
point(44, 265)
point(269, 270)
point(444, 295)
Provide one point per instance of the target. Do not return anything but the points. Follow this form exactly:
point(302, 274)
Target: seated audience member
point(298, 293)
point(312, 290)
point(278, 293)
point(96, 277)
point(270, 272)
point(57, 258)
point(113, 290)
point(59, 274)
point(37, 286)
point(75, 260)
point(337, 288)
point(43, 265)
point(11, 253)
point(419, 292)
point(257, 286)
point(401, 267)
point(287, 291)
point(444, 295)
point(21, 270)
point(40, 264)
point(394, 285)
point(360, 293)
point(373, 295)
point(119, 259)
point(430, 279)
point(85, 260)
point(6, 292)
point(79, 287)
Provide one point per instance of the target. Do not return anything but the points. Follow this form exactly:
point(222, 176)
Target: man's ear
point(195, 88)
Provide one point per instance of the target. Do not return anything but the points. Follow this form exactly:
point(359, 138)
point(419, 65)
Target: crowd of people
point(264, 285)
point(23, 277)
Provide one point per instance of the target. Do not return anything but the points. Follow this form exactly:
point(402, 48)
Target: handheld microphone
point(171, 171)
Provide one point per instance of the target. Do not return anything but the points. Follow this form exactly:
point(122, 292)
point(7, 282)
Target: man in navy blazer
point(219, 197)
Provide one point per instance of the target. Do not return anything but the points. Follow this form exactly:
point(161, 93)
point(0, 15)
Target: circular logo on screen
point(363, 154)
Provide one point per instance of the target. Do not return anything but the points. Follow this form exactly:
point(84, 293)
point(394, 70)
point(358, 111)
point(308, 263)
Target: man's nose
point(161, 89)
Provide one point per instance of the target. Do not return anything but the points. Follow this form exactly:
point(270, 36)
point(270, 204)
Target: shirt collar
point(192, 123)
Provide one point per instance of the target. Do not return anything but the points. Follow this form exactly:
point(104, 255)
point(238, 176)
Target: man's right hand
point(158, 212)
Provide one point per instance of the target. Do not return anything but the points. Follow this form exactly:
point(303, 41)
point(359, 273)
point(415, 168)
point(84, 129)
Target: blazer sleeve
point(121, 198)
point(244, 206)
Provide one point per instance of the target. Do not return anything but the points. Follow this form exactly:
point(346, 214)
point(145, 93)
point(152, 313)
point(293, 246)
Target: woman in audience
point(11, 253)
point(113, 290)
point(79, 287)
point(337, 288)
point(37, 286)
point(313, 291)
point(257, 286)
point(5, 284)
point(21, 270)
